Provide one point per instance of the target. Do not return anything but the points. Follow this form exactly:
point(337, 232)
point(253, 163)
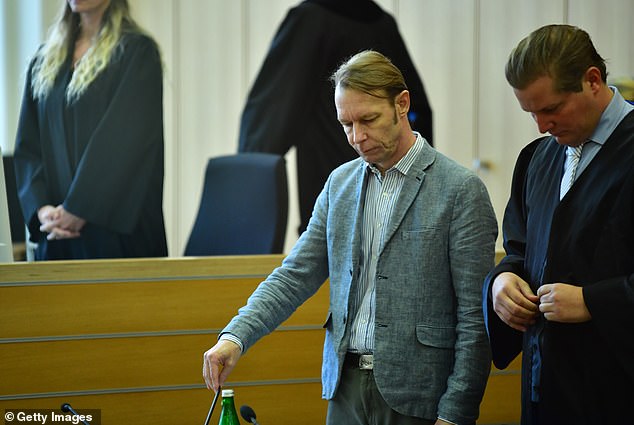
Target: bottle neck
point(228, 414)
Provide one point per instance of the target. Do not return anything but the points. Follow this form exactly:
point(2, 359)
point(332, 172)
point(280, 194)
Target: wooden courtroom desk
point(127, 337)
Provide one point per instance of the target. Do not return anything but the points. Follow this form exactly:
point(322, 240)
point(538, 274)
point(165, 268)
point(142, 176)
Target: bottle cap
point(227, 393)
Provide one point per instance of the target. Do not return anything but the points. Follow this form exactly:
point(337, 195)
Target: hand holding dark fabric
point(514, 301)
point(561, 302)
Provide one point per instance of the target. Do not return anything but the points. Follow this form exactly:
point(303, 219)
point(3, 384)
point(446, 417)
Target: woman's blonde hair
point(61, 41)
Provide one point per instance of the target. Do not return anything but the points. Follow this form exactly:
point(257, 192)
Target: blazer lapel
point(355, 226)
point(411, 189)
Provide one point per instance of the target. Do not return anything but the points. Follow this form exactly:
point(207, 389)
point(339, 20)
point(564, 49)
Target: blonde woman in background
point(89, 147)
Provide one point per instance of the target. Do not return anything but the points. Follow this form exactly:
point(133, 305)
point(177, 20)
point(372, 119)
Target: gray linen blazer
point(431, 353)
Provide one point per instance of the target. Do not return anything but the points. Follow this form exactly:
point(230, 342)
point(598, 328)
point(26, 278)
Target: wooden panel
point(274, 404)
point(127, 336)
point(168, 295)
point(501, 402)
point(116, 363)
point(121, 306)
point(135, 307)
point(139, 268)
point(498, 256)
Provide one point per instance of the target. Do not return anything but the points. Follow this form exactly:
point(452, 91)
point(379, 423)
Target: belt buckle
point(366, 362)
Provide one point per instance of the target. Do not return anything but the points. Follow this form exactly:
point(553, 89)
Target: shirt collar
point(617, 109)
point(405, 163)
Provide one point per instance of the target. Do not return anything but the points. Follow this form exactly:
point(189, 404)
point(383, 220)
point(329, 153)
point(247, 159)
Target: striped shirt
point(382, 193)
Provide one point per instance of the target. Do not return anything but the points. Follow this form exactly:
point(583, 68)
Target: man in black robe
point(564, 293)
point(290, 103)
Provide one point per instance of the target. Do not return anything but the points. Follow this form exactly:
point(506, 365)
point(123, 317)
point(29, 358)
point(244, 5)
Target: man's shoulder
point(349, 168)
point(446, 166)
point(542, 147)
point(345, 176)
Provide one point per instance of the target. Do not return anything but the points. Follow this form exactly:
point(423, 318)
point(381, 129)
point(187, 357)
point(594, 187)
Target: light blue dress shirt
point(617, 109)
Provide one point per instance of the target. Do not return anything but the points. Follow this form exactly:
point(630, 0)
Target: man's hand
point(561, 302)
point(514, 301)
point(224, 354)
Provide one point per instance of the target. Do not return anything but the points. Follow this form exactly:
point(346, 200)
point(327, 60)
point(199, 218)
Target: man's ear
point(593, 77)
point(401, 103)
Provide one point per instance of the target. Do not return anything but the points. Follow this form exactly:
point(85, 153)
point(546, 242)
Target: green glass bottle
point(228, 414)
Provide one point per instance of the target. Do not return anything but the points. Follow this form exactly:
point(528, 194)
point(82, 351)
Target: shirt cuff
point(232, 338)
point(446, 420)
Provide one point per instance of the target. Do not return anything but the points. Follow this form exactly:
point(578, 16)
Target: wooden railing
point(127, 337)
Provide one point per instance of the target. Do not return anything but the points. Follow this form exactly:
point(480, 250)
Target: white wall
point(213, 49)
point(23, 26)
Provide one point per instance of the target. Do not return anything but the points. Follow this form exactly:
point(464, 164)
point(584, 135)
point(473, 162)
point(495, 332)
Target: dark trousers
point(358, 402)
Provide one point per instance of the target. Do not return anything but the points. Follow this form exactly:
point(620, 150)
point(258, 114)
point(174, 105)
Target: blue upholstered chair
point(243, 208)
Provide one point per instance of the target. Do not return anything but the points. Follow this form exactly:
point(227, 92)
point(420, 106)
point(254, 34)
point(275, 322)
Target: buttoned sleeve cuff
point(232, 338)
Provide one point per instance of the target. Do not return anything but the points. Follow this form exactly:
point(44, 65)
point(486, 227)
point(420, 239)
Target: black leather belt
point(359, 361)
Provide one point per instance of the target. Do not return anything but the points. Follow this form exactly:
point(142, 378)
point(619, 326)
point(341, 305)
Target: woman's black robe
point(100, 156)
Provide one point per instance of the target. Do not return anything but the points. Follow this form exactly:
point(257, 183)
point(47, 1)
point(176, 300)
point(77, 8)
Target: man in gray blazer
point(406, 237)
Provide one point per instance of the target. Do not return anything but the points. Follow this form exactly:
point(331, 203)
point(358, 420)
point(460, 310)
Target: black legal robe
point(291, 102)
point(579, 373)
point(100, 156)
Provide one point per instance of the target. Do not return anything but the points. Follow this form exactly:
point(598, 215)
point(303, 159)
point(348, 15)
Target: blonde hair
point(61, 41)
point(372, 73)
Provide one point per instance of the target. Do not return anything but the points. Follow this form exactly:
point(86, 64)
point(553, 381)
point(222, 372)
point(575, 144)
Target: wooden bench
point(127, 337)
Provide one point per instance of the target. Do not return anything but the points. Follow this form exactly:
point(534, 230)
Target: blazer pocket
point(436, 336)
point(424, 233)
